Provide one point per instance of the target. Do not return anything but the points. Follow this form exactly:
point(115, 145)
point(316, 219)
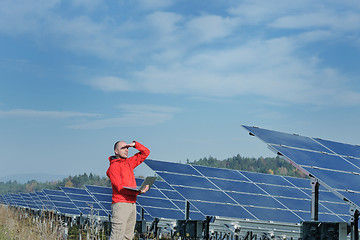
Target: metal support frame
point(207, 227)
point(314, 199)
point(154, 226)
point(187, 210)
point(354, 223)
point(250, 236)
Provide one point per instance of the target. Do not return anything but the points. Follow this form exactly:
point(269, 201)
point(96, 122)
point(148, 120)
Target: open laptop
point(148, 181)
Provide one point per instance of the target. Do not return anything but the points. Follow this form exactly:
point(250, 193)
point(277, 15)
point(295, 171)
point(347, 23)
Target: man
point(121, 174)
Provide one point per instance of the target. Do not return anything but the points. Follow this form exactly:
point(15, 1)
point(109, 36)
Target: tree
point(69, 183)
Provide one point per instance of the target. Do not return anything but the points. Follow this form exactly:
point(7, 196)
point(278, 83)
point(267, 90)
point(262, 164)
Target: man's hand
point(144, 190)
point(130, 144)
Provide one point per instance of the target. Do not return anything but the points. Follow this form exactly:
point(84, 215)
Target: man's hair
point(115, 145)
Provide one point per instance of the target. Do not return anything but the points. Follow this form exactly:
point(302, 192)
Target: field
point(17, 224)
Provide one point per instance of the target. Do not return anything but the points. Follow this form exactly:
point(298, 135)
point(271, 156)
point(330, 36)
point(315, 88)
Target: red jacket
point(121, 174)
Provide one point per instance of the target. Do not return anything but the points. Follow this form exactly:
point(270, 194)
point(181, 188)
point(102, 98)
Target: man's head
point(121, 149)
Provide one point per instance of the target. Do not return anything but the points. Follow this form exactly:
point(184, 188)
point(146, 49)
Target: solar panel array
point(336, 165)
point(67, 201)
point(161, 201)
point(210, 191)
point(247, 195)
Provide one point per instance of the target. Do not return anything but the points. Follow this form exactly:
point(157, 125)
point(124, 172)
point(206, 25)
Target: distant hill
point(39, 177)
point(77, 181)
point(277, 165)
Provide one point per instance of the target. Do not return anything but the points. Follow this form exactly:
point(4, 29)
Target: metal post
point(187, 210)
point(314, 199)
point(354, 221)
point(207, 228)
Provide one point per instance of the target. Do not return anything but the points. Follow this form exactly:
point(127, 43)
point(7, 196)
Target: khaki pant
point(123, 221)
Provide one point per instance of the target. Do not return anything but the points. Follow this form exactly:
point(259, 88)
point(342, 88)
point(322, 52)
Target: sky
point(180, 77)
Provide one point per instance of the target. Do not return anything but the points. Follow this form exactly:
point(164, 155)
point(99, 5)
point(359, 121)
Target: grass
point(19, 224)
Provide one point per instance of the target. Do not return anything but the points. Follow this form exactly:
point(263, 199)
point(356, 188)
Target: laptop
point(148, 181)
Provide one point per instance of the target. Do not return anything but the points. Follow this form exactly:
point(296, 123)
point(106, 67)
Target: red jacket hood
point(113, 159)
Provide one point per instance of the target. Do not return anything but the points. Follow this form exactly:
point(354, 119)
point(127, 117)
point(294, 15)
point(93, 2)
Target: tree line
point(268, 165)
point(77, 181)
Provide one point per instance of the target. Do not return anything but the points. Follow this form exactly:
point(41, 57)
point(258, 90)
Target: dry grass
point(19, 225)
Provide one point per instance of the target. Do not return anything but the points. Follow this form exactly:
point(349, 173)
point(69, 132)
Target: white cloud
point(209, 27)
point(111, 83)
point(263, 68)
point(154, 4)
point(205, 54)
point(44, 114)
point(132, 115)
point(299, 14)
point(319, 19)
point(164, 23)
point(83, 35)
point(19, 17)
point(254, 12)
point(89, 5)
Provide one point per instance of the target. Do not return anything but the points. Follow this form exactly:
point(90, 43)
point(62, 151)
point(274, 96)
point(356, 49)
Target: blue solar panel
point(222, 210)
point(29, 201)
point(204, 195)
point(317, 159)
point(341, 148)
point(160, 203)
point(18, 200)
point(279, 215)
point(250, 195)
point(179, 201)
point(298, 182)
point(244, 187)
point(181, 168)
point(286, 139)
point(103, 195)
point(337, 180)
point(220, 173)
point(335, 165)
point(8, 199)
point(266, 178)
point(84, 201)
point(188, 180)
point(256, 200)
point(47, 204)
point(37, 200)
point(62, 203)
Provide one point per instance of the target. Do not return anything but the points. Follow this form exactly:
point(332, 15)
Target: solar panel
point(84, 201)
point(47, 204)
point(37, 200)
point(29, 201)
point(62, 203)
point(8, 200)
point(162, 201)
point(103, 195)
point(335, 165)
point(246, 195)
point(17, 200)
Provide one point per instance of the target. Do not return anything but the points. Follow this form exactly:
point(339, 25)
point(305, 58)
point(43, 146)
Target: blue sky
point(178, 76)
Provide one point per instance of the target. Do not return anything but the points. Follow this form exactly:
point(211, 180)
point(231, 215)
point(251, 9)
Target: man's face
point(122, 150)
